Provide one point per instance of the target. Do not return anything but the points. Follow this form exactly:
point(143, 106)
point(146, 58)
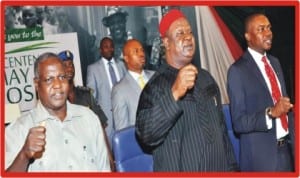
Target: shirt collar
point(257, 56)
point(106, 61)
point(42, 114)
point(136, 75)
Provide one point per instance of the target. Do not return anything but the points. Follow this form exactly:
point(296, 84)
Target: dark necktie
point(275, 90)
point(112, 73)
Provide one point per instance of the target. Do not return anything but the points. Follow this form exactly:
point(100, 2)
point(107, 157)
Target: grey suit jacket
point(98, 80)
point(125, 97)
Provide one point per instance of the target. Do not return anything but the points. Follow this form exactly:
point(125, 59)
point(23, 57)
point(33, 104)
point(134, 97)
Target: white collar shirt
point(74, 144)
point(137, 75)
point(280, 132)
point(113, 63)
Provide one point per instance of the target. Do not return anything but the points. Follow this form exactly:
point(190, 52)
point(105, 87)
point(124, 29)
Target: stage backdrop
point(19, 61)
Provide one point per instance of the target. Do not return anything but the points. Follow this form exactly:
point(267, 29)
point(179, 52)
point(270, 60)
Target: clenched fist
point(35, 142)
point(185, 80)
point(281, 107)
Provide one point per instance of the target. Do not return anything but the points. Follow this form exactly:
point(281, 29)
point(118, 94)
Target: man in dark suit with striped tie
point(179, 115)
point(260, 108)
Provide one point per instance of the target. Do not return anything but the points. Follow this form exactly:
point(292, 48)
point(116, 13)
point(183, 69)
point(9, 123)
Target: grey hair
point(40, 59)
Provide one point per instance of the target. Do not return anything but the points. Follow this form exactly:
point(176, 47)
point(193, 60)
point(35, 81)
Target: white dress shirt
point(113, 63)
point(280, 132)
point(137, 75)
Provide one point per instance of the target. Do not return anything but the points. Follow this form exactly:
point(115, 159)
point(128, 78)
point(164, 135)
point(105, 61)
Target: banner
point(19, 62)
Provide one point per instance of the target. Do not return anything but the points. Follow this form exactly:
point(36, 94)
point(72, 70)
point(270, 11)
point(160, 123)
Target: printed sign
point(19, 62)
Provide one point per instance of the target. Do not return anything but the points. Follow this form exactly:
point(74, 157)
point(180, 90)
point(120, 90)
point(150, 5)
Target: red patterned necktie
point(275, 90)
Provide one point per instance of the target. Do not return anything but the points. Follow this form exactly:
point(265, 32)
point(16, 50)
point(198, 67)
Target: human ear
point(166, 42)
point(247, 36)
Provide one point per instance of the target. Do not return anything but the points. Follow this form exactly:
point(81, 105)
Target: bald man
point(179, 112)
point(125, 95)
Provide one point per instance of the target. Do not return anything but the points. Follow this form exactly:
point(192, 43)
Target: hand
point(185, 80)
point(35, 142)
point(281, 107)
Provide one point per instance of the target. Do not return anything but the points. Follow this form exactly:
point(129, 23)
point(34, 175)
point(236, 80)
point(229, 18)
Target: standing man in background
point(102, 76)
point(79, 94)
point(260, 108)
point(125, 95)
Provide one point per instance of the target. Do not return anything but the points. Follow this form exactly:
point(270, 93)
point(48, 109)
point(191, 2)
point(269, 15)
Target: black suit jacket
point(84, 97)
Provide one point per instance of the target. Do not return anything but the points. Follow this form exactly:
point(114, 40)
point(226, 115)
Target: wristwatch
point(268, 113)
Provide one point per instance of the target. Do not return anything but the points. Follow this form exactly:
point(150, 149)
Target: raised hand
point(185, 80)
point(281, 107)
point(35, 142)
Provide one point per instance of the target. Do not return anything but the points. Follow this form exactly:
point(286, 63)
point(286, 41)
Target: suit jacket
point(125, 97)
point(98, 80)
point(84, 97)
point(249, 98)
point(186, 135)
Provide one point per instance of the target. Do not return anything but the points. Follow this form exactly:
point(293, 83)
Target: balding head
point(134, 55)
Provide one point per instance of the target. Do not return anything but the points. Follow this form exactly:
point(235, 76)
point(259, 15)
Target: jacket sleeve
point(156, 114)
point(119, 108)
point(97, 110)
point(243, 121)
point(91, 80)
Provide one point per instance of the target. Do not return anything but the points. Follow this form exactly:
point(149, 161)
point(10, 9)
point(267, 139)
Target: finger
point(192, 68)
point(190, 80)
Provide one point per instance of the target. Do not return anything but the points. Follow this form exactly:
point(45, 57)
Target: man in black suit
point(255, 110)
point(179, 113)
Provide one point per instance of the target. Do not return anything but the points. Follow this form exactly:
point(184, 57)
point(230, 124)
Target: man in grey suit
point(179, 113)
point(125, 95)
point(101, 79)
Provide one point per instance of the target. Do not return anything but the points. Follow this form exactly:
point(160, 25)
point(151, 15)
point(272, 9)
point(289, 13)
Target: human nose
point(268, 32)
point(142, 53)
point(188, 36)
point(57, 83)
point(69, 69)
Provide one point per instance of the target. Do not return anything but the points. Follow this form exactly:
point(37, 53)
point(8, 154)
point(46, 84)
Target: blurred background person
point(125, 94)
point(29, 16)
point(79, 94)
point(102, 75)
point(116, 22)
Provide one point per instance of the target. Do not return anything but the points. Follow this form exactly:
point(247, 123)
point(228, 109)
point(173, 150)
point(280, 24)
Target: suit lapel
point(132, 83)
point(103, 72)
point(148, 74)
point(253, 68)
point(120, 69)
